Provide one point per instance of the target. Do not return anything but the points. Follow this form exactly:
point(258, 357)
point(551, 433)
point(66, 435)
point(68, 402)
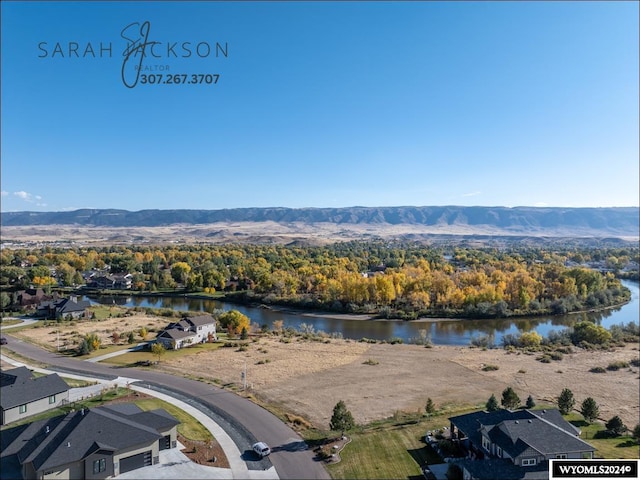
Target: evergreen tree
point(510, 398)
point(566, 401)
point(589, 409)
point(492, 404)
point(530, 402)
point(341, 419)
point(430, 407)
point(616, 426)
point(636, 433)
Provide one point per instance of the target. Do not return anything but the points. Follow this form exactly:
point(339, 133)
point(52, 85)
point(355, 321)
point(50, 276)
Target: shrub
point(370, 361)
point(598, 370)
point(617, 365)
point(489, 368)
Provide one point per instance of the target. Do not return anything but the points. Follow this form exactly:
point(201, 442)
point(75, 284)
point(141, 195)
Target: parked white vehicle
point(261, 449)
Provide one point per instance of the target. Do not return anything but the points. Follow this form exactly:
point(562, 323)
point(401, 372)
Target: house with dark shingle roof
point(95, 443)
point(22, 394)
point(188, 331)
point(63, 308)
point(516, 444)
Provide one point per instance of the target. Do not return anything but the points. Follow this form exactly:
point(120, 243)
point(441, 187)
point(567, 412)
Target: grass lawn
point(132, 358)
point(7, 322)
point(617, 447)
point(105, 311)
point(392, 448)
point(189, 427)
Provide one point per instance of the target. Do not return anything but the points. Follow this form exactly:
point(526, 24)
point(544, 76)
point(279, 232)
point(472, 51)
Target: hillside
point(597, 222)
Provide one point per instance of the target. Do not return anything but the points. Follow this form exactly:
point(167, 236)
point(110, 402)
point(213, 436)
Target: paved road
point(246, 420)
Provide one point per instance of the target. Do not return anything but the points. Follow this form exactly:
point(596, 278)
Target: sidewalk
point(178, 466)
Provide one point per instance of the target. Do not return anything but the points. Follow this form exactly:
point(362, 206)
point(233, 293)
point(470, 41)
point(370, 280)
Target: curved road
point(289, 454)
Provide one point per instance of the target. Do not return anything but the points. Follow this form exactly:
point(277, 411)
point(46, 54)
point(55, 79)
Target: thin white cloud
point(28, 197)
point(4, 194)
point(472, 194)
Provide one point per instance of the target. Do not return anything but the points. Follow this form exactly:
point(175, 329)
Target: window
point(23, 408)
point(52, 399)
point(528, 461)
point(499, 452)
point(99, 465)
point(561, 455)
point(486, 443)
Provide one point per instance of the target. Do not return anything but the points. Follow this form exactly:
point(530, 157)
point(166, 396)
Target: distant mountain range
point(599, 222)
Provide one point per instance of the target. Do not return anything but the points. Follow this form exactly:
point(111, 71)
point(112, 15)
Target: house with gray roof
point(516, 444)
point(95, 443)
point(22, 394)
point(188, 331)
point(63, 308)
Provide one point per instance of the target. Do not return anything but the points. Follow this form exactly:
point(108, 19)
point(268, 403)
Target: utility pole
point(244, 376)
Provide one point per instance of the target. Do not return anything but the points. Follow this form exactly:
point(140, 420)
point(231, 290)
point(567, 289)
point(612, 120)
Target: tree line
point(393, 279)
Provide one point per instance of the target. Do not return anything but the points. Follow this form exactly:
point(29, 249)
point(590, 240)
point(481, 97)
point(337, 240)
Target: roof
point(175, 334)
point(67, 305)
point(544, 431)
point(72, 437)
point(18, 387)
point(499, 469)
point(201, 320)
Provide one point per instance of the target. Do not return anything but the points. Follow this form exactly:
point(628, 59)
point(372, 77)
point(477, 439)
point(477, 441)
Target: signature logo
point(137, 37)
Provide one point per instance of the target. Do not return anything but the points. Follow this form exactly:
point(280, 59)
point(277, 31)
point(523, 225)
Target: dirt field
point(69, 335)
point(308, 378)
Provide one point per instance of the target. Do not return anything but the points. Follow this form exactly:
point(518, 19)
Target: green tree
point(566, 401)
point(158, 350)
point(180, 272)
point(430, 407)
point(131, 338)
point(615, 426)
point(590, 333)
point(510, 398)
point(530, 402)
point(244, 334)
point(341, 420)
point(492, 404)
point(5, 300)
point(589, 409)
point(636, 433)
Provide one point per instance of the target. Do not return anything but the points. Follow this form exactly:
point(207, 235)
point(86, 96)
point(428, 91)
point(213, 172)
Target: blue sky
point(322, 104)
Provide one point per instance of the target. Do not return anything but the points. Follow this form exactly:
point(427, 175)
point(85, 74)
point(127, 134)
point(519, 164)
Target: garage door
point(135, 461)
point(165, 442)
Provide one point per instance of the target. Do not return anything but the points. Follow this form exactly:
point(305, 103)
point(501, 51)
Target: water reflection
point(444, 332)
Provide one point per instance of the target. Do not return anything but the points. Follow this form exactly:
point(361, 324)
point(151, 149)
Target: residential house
point(188, 331)
point(63, 308)
point(31, 297)
point(515, 444)
point(95, 443)
point(22, 394)
point(111, 282)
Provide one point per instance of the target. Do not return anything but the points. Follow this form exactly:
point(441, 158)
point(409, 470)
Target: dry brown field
point(308, 377)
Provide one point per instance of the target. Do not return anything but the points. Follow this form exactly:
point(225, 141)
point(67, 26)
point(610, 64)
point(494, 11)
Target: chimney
point(46, 429)
point(82, 412)
point(68, 444)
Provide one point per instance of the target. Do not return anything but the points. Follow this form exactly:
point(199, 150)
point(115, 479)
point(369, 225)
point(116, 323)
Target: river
point(442, 332)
